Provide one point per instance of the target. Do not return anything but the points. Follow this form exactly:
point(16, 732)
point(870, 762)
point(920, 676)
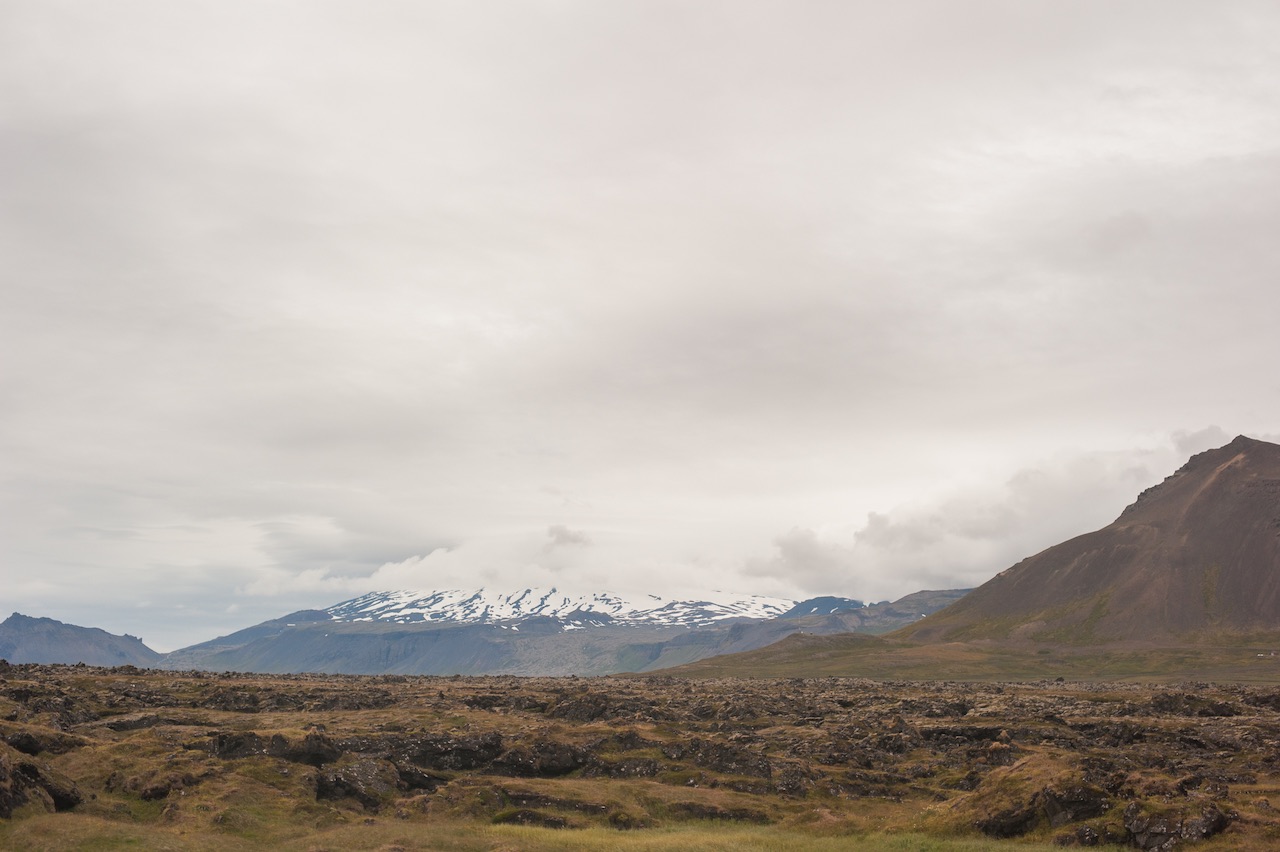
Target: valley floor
point(126, 758)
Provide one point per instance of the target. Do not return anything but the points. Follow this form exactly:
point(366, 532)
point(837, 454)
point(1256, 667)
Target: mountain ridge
point(1200, 551)
point(549, 633)
point(31, 639)
point(1183, 585)
point(395, 633)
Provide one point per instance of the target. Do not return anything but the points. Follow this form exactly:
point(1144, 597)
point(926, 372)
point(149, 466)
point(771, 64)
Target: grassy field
point(56, 834)
point(127, 759)
point(1235, 659)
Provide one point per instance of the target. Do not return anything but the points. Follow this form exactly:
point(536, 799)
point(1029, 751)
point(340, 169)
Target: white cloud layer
point(306, 299)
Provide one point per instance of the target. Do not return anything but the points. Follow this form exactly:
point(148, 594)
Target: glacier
point(578, 610)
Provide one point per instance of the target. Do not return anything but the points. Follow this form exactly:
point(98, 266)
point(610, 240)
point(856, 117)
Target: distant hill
point(24, 639)
point(1200, 552)
point(194, 656)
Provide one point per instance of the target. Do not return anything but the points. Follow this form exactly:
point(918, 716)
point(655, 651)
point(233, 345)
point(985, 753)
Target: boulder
point(1073, 802)
point(546, 758)
point(1009, 822)
point(722, 757)
point(1162, 831)
point(370, 781)
point(39, 741)
point(24, 782)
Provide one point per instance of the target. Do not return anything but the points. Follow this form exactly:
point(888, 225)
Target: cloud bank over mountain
point(850, 299)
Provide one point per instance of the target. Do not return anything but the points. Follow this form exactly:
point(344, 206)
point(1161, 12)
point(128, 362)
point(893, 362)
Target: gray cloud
point(1190, 443)
point(966, 536)
point(309, 297)
point(562, 536)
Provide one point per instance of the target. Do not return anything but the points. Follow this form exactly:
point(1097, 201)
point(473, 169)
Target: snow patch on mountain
point(574, 611)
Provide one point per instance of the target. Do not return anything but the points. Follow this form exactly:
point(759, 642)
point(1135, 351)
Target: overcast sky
point(300, 300)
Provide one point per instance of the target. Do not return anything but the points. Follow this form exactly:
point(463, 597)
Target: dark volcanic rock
point(527, 799)
point(1009, 822)
point(139, 721)
point(161, 786)
point(232, 745)
point(626, 767)
point(233, 700)
point(66, 709)
point(701, 810)
point(722, 757)
point(369, 781)
point(581, 708)
point(1165, 831)
point(23, 782)
point(414, 778)
point(41, 741)
point(1073, 803)
point(1182, 704)
point(441, 751)
point(314, 749)
point(542, 757)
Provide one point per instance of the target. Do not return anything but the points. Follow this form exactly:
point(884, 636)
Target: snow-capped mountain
point(533, 632)
point(482, 606)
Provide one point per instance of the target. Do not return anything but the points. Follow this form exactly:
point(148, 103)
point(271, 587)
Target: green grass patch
point(56, 833)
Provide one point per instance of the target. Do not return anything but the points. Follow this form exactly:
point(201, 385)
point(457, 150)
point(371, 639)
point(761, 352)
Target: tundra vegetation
point(108, 758)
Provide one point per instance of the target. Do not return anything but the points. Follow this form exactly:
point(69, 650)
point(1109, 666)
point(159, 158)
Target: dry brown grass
point(815, 764)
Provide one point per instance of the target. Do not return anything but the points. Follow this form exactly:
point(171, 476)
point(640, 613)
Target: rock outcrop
point(26, 782)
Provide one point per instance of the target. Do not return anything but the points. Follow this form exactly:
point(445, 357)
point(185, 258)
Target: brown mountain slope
point(1199, 552)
